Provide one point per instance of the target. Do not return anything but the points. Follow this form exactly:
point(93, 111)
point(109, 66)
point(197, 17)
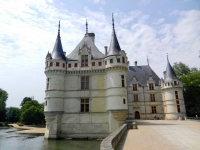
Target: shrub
point(1, 124)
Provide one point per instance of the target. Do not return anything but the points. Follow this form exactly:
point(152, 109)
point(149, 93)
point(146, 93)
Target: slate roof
point(169, 74)
point(57, 52)
point(87, 39)
point(114, 48)
point(142, 74)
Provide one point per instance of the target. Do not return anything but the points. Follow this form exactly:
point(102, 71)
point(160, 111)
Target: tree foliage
point(12, 114)
point(32, 112)
point(26, 99)
point(3, 98)
point(191, 85)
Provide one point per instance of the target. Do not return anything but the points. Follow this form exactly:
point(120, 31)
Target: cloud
point(99, 1)
point(159, 21)
point(29, 28)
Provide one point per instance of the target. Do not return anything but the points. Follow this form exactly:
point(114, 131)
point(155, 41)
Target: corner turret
point(116, 68)
point(172, 92)
point(55, 71)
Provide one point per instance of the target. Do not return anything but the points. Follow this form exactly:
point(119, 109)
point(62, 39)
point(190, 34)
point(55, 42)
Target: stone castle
point(90, 94)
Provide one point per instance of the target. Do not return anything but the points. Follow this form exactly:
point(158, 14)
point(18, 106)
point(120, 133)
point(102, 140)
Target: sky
point(153, 28)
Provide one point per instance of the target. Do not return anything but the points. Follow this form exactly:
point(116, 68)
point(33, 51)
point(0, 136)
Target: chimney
point(106, 51)
point(135, 63)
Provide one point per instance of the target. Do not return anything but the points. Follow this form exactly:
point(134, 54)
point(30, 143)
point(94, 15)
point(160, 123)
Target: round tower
point(116, 91)
point(55, 71)
point(172, 91)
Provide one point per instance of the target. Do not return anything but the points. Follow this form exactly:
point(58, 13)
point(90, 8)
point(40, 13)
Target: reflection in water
point(12, 141)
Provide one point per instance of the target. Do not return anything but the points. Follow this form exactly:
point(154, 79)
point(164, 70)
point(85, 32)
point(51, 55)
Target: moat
point(12, 141)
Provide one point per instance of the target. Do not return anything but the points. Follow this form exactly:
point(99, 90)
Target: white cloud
point(159, 21)
point(28, 31)
point(99, 1)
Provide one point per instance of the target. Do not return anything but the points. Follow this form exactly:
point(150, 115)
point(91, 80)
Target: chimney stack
point(106, 50)
point(135, 63)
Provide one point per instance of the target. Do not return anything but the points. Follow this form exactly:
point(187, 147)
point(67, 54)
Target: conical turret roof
point(57, 52)
point(114, 48)
point(169, 73)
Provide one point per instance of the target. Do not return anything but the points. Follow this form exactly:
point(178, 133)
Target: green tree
point(32, 112)
point(3, 98)
point(12, 114)
point(181, 69)
point(26, 99)
point(191, 85)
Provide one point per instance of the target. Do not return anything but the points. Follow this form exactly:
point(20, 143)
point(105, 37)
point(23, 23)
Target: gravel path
point(162, 135)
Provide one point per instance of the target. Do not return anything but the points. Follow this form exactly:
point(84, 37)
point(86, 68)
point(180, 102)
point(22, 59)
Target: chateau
point(90, 94)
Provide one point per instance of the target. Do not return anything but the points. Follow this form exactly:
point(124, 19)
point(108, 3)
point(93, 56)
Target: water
point(13, 141)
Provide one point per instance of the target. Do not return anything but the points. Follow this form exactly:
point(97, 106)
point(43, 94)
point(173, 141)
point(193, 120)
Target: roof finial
point(148, 60)
point(113, 22)
point(86, 26)
point(167, 57)
point(59, 27)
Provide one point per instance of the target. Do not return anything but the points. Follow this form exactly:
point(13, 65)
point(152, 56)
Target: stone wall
point(111, 141)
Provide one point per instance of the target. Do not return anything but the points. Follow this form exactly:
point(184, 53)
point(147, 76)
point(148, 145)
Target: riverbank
point(28, 129)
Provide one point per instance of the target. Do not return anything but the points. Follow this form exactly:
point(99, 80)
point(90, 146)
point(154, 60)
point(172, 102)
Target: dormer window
point(151, 87)
point(84, 60)
point(175, 83)
point(134, 87)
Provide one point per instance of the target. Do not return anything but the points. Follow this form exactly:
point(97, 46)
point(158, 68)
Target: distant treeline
point(31, 112)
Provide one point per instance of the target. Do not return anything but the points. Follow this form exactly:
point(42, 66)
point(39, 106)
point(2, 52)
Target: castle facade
point(90, 94)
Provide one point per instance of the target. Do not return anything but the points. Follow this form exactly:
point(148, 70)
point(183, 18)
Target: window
point(178, 108)
point(152, 97)
point(123, 59)
point(153, 108)
point(100, 63)
point(85, 83)
point(57, 63)
point(134, 87)
point(63, 65)
point(151, 86)
point(118, 60)
point(93, 63)
point(135, 97)
point(51, 64)
point(177, 102)
point(45, 103)
point(47, 86)
point(124, 101)
point(69, 65)
point(75, 65)
point(122, 77)
point(84, 105)
point(176, 94)
point(105, 62)
point(175, 83)
point(84, 60)
point(111, 61)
